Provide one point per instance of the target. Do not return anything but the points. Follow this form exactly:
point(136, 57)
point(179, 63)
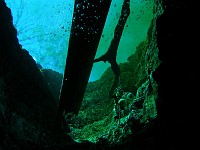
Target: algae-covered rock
point(113, 120)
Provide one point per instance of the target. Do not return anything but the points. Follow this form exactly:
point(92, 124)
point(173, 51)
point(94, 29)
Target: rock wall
point(177, 76)
point(27, 107)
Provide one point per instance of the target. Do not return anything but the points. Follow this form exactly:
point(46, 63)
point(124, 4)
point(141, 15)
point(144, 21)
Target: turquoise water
point(44, 28)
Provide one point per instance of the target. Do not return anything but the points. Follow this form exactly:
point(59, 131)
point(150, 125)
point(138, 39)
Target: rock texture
point(27, 107)
point(103, 120)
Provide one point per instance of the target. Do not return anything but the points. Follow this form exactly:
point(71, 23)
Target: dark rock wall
point(177, 76)
point(17, 67)
point(8, 34)
point(54, 81)
point(27, 107)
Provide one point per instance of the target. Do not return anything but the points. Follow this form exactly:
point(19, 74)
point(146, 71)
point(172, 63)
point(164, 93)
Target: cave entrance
point(46, 37)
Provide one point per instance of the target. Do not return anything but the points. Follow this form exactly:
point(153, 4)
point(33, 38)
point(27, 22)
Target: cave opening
point(27, 107)
point(47, 42)
point(43, 29)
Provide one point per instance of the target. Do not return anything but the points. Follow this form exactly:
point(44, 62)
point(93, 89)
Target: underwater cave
point(106, 74)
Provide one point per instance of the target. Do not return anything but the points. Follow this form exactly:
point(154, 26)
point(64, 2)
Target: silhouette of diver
point(111, 53)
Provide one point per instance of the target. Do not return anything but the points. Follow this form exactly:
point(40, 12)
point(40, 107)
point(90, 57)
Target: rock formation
point(162, 75)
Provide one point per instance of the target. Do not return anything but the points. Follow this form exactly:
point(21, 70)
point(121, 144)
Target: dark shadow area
point(178, 75)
